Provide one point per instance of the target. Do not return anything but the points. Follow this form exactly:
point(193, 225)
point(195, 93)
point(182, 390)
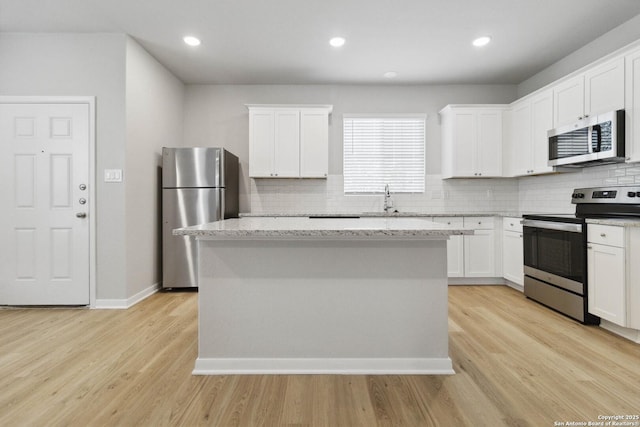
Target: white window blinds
point(384, 150)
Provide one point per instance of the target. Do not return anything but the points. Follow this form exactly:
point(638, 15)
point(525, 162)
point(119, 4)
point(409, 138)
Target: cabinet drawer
point(479, 223)
point(605, 235)
point(455, 221)
point(512, 224)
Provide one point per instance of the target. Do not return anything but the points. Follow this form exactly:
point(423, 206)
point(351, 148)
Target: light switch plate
point(113, 175)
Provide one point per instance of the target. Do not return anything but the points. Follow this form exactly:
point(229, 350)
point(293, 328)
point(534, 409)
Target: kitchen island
point(320, 295)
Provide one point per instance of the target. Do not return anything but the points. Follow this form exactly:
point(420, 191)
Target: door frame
point(91, 102)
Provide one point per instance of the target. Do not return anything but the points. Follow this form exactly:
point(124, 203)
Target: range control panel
point(626, 195)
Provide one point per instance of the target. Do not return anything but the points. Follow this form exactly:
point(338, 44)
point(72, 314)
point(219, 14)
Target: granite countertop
point(298, 227)
point(376, 214)
point(620, 222)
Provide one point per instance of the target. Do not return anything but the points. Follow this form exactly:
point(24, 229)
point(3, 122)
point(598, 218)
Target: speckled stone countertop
point(297, 227)
point(620, 222)
point(376, 214)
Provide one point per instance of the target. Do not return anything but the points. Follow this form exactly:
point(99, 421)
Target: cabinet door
point(314, 143)
point(541, 123)
point(261, 143)
point(489, 143)
point(455, 247)
point(287, 143)
point(606, 272)
point(520, 139)
point(604, 87)
point(632, 106)
point(479, 254)
point(464, 142)
point(512, 257)
point(568, 100)
point(455, 256)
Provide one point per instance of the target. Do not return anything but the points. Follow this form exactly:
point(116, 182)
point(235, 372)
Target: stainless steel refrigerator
point(199, 185)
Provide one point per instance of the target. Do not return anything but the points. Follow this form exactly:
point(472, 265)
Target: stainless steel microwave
point(598, 139)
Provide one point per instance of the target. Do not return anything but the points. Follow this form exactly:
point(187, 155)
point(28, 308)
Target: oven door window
point(556, 252)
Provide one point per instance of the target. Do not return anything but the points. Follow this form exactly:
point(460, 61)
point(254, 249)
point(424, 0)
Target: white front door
point(44, 209)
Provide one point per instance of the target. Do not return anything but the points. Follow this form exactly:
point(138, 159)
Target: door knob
point(81, 214)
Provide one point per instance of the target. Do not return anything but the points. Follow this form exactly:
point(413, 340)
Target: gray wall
point(82, 65)
point(139, 108)
point(154, 102)
point(215, 115)
point(609, 42)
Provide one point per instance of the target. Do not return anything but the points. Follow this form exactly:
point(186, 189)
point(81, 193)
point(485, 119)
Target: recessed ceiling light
point(192, 41)
point(390, 75)
point(337, 41)
point(482, 41)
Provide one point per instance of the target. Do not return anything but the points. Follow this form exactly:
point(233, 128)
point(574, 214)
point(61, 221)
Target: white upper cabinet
point(527, 146)
point(597, 90)
point(568, 100)
point(314, 142)
point(288, 141)
point(632, 106)
point(261, 142)
point(541, 122)
point(518, 144)
point(604, 87)
point(286, 144)
point(471, 141)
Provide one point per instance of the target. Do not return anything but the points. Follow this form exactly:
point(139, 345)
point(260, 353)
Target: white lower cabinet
point(481, 249)
point(455, 247)
point(473, 255)
point(606, 271)
point(512, 251)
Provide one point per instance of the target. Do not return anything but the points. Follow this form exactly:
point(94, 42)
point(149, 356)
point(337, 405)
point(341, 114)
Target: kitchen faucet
point(388, 203)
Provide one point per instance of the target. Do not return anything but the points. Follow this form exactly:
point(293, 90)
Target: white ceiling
point(286, 41)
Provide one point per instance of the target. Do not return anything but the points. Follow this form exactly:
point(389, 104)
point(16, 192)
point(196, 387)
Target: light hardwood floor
point(517, 363)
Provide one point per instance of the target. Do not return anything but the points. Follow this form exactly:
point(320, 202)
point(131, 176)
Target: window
point(381, 150)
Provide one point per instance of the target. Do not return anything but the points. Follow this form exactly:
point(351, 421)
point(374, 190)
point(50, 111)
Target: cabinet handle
point(589, 247)
point(520, 235)
point(511, 224)
point(603, 235)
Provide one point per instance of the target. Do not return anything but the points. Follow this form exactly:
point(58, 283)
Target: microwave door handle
point(590, 139)
point(598, 130)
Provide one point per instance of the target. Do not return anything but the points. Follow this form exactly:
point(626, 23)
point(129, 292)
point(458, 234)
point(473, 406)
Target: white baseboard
point(513, 285)
point(475, 281)
point(630, 334)
point(347, 366)
point(123, 304)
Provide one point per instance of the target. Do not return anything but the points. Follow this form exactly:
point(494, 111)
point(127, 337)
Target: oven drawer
point(560, 300)
point(605, 235)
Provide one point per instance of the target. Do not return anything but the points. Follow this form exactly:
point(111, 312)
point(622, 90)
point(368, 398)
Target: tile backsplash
point(327, 196)
point(552, 193)
point(537, 194)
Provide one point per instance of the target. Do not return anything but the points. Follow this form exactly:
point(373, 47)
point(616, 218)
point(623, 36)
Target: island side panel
point(275, 306)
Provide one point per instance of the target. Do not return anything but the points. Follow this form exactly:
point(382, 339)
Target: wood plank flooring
point(517, 364)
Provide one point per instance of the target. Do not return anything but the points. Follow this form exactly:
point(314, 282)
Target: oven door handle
point(550, 225)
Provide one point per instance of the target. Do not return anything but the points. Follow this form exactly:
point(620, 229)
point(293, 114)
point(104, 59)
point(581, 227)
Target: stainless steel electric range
point(555, 248)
